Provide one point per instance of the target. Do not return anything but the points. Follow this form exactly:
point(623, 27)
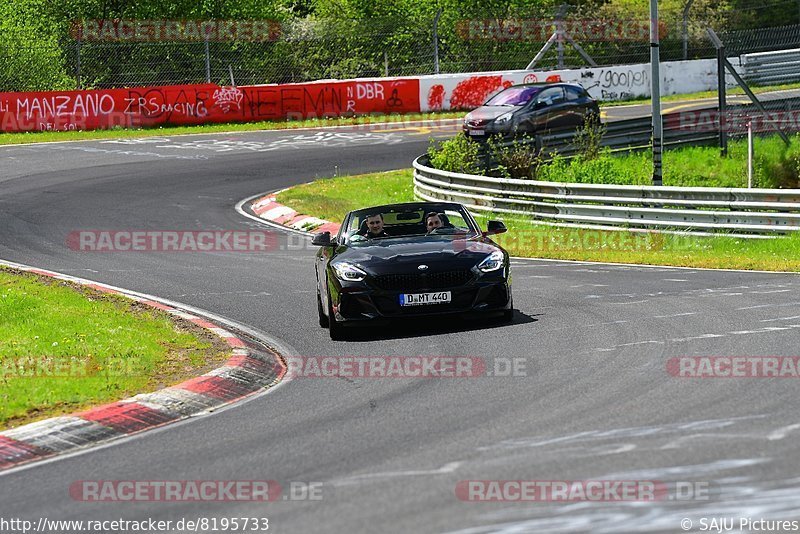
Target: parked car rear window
point(573, 93)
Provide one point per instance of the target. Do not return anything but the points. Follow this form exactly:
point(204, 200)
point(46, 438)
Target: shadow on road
point(431, 326)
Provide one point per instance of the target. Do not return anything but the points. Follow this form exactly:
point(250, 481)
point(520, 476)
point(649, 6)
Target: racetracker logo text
point(734, 367)
point(129, 30)
point(582, 490)
point(402, 367)
point(541, 30)
point(174, 490)
point(172, 241)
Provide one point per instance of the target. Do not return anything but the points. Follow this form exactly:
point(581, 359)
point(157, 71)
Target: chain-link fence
point(304, 51)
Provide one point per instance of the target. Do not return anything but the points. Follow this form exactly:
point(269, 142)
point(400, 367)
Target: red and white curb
point(269, 209)
point(245, 373)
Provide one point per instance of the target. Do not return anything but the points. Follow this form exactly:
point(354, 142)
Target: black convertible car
point(413, 259)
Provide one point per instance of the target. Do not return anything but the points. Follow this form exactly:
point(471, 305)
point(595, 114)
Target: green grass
point(333, 198)
point(774, 166)
point(66, 347)
point(51, 136)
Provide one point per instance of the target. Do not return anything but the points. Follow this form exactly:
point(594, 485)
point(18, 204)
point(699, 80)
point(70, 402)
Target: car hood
point(488, 113)
point(386, 257)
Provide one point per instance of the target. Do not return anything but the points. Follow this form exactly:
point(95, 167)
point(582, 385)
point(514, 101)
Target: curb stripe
point(127, 417)
point(268, 208)
point(244, 373)
point(61, 434)
point(219, 387)
point(13, 452)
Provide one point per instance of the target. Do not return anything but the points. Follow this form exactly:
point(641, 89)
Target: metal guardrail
point(766, 68)
point(683, 128)
point(701, 210)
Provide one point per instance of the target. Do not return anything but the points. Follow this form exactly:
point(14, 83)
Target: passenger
point(433, 221)
point(375, 226)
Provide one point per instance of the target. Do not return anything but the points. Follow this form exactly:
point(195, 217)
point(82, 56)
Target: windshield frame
point(345, 235)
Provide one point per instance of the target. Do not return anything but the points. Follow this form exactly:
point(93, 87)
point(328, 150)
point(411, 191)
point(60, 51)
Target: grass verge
point(64, 347)
point(332, 198)
point(774, 166)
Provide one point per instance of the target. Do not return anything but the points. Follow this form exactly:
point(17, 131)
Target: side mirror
point(322, 239)
point(539, 104)
point(495, 227)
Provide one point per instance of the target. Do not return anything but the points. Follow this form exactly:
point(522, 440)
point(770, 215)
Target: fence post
point(655, 94)
point(436, 41)
point(78, 62)
point(685, 28)
point(208, 61)
point(562, 11)
point(721, 89)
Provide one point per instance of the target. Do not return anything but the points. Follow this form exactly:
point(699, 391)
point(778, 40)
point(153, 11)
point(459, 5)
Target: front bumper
point(364, 304)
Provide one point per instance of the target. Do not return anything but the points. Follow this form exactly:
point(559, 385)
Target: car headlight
point(504, 118)
point(492, 262)
point(347, 272)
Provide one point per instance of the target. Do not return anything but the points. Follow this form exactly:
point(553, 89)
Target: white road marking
point(782, 432)
point(692, 338)
point(780, 319)
point(674, 315)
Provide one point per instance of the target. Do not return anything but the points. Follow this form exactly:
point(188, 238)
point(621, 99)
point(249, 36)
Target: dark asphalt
point(596, 402)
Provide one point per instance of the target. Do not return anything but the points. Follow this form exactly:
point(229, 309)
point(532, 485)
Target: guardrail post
point(749, 154)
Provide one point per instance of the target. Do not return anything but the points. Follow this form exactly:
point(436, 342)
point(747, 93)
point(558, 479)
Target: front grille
point(477, 123)
point(415, 282)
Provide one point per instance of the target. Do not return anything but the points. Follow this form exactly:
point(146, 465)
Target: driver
point(433, 221)
point(375, 226)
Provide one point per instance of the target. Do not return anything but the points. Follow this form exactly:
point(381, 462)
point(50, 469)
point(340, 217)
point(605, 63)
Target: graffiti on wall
point(198, 104)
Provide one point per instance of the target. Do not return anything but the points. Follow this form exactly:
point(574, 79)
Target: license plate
point(421, 299)
point(477, 132)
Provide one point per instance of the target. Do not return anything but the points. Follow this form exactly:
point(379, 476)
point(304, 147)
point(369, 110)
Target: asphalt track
point(596, 401)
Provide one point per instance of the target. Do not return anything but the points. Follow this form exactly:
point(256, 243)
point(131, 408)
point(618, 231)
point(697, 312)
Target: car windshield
point(387, 224)
point(513, 96)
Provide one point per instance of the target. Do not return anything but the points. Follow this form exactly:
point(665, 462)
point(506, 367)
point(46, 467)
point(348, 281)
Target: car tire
point(336, 330)
point(324, 320)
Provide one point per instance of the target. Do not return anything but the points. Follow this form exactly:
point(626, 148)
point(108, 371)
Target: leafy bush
point(457, 154)
point(520, 159)
point(588, 136)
